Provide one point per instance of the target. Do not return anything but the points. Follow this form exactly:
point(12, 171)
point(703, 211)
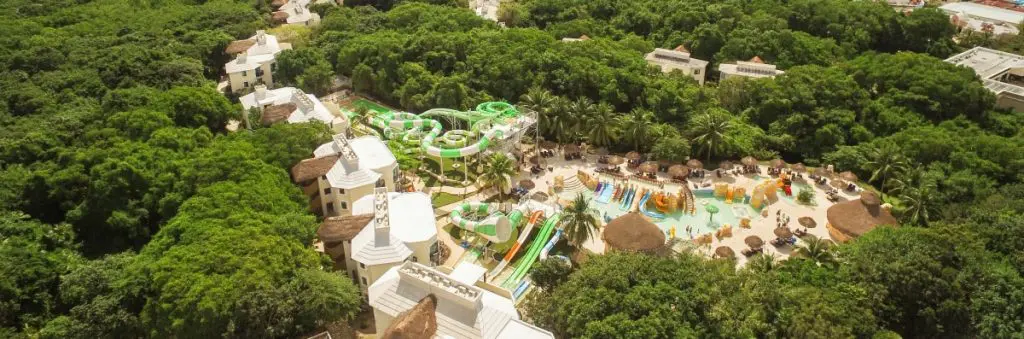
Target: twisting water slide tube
point(495, 227)
point(486, 121)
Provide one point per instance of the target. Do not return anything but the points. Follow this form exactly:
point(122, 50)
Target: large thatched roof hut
point(851, 219)
point(419, 322)
point(632, 232)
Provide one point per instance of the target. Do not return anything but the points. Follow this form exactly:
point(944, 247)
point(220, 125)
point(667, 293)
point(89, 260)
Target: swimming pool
point(701, 222)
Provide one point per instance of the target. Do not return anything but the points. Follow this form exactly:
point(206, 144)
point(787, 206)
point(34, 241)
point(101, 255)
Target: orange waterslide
point(659, 202)
point(515, 248)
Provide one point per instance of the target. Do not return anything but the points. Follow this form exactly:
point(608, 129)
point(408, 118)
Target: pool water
point(796, 188)
point(701, 222)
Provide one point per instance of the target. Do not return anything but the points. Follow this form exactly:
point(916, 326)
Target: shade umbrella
point(548, 144)
point(571, 148)
point(748, 161)
point(633, 155)
point(807, 222)
point(694, 163)
point(540, 196)
point(799, 167)
point(848, 176)
point(535, 160)
point(754, 241)
point(726, 165)
point(837, 183)
point(649, 167)
point(615, 160)
point(783, 232)
point(778, 163)
point(725, 252)
point(602, 151)
point(527, 184)
point(678, 171)
point(820, 171)
point(711, 209)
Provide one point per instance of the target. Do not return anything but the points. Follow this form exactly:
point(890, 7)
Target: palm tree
point(556, 120)
point(918, 203)
point(710, 131)
point(578, 112)
point(636, 126)
point(579, 221)
point(537, 99)
point(816, 249)
point(498, 173)
point(884, 163)
point(602, 125)
point(763, 262)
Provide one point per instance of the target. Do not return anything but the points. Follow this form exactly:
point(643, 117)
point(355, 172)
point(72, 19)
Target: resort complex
point(253, 62)
point(1000, 72)
point(678, 59)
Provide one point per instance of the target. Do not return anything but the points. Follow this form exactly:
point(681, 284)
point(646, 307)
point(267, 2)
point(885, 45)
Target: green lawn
point(441, 199)
point(370, 105)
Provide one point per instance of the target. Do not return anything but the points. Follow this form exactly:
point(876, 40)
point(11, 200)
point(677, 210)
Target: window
point(380, 182)
point(344, 205)
point(273, 66)
point(244, 73)
point(362, 265)
point(323, 177)
point(354, 274)
point(330, 207)
point(327, 190)
point(341, 191)
point(414, 259)
point(363, 280)
point(696, 72)
point(245, 84)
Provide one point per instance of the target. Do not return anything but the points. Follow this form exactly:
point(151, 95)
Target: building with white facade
point(581, 38)
point(385, 230)
point(754, 68)
point(461, 307)
point(983, 18)
point(296, 12)
point(1000, 72)
point(254, 62)
point(343, 171)
point(292, 105)
point(678, 59)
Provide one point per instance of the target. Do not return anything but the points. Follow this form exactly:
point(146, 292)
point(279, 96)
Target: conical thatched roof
point(632, 232)
point(754, 241)
point(851, 219)
point(678, 171)
point(277, 113)
point(681, 48)
point(756, 60)
point(649, 167)
point(310, 169)
point(584, 37)
point(615, 160)
point(634, 155)
point(749, 160)
point(239, 46)
point(694, 163)
point(419, 322)
point(335, 229)
point(725, 252)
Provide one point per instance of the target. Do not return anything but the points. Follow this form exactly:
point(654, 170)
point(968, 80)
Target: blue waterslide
point(627, 199)
point(643, 207)
point(606, 193)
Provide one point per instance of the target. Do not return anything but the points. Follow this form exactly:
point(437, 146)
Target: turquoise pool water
point(796, 188)
point(701, 222)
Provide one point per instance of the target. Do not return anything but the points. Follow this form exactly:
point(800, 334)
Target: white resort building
point(581, 38)
point(1000, 72)
point(385, 230)
point(983, 18)
point(294, 12)
point(343, 171)
point(254, 61)
point(678, 59)
point(754, 68)
point(458, 305)
point(292, 105)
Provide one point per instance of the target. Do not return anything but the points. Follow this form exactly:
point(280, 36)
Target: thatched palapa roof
point(239, 46)
point(632, 232)
point(280, 16)
point(725, 252)
point(313, 168)
point(851, 219)
point(335, 229)
point(419, 322)
point(277, 113)
point(278, 3)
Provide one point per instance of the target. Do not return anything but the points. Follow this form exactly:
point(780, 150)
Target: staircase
point(573, 185)
point(690, 201)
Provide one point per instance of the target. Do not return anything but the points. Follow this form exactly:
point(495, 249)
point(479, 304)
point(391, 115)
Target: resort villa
point(983, 18)
point(416, 301)
point(343, 171)
point(678, 59)
point(386, 230)
point(1000, 72)
point(292, 105)
point(254, 61)
point(294, 12)
point(754, 68)
point(581, 38)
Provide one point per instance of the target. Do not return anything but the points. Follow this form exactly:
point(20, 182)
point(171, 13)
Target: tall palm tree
point(557, 122)
point(711, 132)
point(579, 220)
point(537, 99)
point(884, 163)
point(498, 173)
point(579, 110)
point(816, 249)
point(636, 126)
point(602, 125)
point(918, 204)
point(763, 262)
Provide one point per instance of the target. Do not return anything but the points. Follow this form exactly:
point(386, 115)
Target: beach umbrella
point(724, 252)
point(783, 232)
point(778, 163)
point(807, 222)
point(837, 183)
point(615, 160)
point(535, 160)
point(602, 151)
point(848, 176)
point(820, 171)
point(527, 184)
point(726, 165)
point(649, 167)
point(548, 144)
point(749, 161)
point(634, 155)
point(754, 241)
point(571, 148)
point(694, 163)
point(678, 171)
point(712, 209)
point(799, 167)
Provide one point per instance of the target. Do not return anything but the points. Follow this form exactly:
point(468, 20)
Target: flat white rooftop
point(989, 64)
point(985, 12)
point(468, 273)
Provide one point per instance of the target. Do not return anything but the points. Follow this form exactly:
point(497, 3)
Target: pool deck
point(761, 227)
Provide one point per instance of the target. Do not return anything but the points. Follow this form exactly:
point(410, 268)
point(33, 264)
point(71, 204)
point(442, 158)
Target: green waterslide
point(409, 127)
point(533, 252)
